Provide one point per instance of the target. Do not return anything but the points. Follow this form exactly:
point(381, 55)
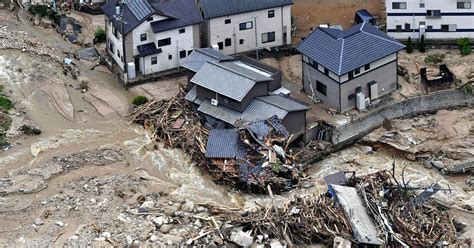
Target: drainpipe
point(125, 68)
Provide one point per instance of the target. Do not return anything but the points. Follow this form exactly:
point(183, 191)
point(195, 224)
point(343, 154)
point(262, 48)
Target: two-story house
point(436, 19)
point(347, 69)
point(236, 26)
point(145, 37)
point(237, 91)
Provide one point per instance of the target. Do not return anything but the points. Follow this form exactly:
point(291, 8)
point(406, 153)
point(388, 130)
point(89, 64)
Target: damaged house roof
point(344, 51)
point(180, 13)
point(224, 143)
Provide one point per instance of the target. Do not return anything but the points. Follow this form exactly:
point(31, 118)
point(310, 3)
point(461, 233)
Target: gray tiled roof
point(344, 51)
point(148, 49)
point(224, 143)
point(232, 65)
point(192, 94)
point(180, 13)
point(257, 110)
point(224, 81)
point(199, 57)
point(284, 102)
point(218, 8)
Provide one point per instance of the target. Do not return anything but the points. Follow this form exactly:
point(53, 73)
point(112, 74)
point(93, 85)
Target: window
point(170, 57)
point(351, 75)
point(118, 53)
point(351, 97)
point(367, 67)
point(448, 27)
point(111, 47)
point(433, 13)
point(326, 71)
point(114, 31)
point(220, 45)
point(407, 27)
point(420, 24)
point(149, 19)
point(241, 41)
point(228, 42)
point(453, 27)
point(189, 52)
point(429, 27)
point(268, 37)
point(143, 37)
point(164, 42)
point(227, 21)
point(445, 28)
point(357, 71)
point(182, 54)
point(321, 88)
point(271, 13)
point(464, 4)
point(154, 60)
point(398, 28)
point(399, 5)
point(182, 30)
point(245, 25)
point(422, 5)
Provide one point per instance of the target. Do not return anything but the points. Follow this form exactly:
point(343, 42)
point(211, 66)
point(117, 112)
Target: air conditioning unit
point(360, 101)
point(214, 102)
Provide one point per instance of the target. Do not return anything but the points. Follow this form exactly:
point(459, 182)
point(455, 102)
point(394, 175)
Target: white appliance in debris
point(214, 102)
point(132, 74)
point(215, 47)
point(360, 101)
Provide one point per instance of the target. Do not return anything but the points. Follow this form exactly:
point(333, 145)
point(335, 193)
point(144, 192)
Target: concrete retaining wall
point(351, 132)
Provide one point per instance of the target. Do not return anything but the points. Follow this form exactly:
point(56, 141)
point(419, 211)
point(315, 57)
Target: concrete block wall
point(358, 128)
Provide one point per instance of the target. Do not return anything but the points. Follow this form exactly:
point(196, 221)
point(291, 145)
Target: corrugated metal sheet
point(192, 94)
point(224, 143)
point(351, 49)
point(217, 8)
point(226, 82)
point(278, 126)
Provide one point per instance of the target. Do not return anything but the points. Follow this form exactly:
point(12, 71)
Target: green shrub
point(464, 46)
point(100, 35)
point(409, 47)
point(422, 45)
point(468, 89)
point(435, 59)
point(139, 100)
point(5, 103)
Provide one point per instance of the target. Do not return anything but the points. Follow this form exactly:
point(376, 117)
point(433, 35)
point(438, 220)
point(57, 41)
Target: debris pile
point(249, 158)
point(399, 216)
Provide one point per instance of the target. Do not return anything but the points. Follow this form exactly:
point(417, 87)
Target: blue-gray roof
point(225, 81)
point(148, 49)
point(224, 143)
point(364, 15)
point(185, 13)
point(200, 56)
point(218, 8)
point(344, 51)
point(284, 102)
point(180, 13)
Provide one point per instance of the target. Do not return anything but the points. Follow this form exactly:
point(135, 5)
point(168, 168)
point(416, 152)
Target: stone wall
point(358, 128)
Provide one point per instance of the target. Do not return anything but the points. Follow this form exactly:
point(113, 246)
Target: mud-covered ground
point(92, 178)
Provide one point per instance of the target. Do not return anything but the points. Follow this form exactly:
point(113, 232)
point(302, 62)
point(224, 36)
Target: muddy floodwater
point(90, 164)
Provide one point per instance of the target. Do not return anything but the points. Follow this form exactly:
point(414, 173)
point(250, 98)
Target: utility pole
point(256, 36)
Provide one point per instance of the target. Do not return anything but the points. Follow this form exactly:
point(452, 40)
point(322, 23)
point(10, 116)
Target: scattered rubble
point(250, 158)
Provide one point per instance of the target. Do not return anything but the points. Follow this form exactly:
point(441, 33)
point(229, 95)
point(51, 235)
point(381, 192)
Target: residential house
point(237, 26)
point(158, 35)
point(345, 68)
point(238, 91)
point(436, 19)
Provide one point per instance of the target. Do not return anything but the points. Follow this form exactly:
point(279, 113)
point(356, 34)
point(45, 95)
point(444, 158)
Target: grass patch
point(434, 59)
point(5, 103)
point(139, 100)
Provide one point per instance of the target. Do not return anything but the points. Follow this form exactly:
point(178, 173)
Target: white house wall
point(179, 42)
point(219, 31)
point(117, 43)
point(413, 15)
point(144, 28)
